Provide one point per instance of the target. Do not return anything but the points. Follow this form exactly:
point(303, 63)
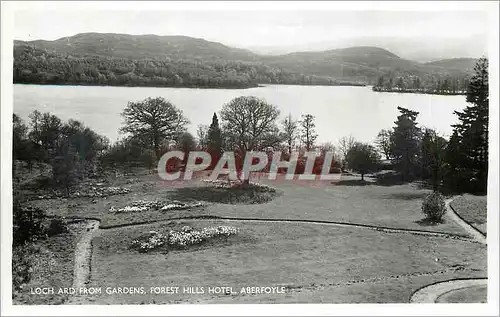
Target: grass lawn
point(53, 268)
point(472, 209)
point(397, 206)
point(307, 259)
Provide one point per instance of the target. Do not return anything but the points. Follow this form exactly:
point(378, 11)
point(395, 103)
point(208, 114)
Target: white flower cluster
point(145, 205)
point(234, 184)
point(220, 183)
point(181, 239)
point(100, 192)
point(180, 206)
point(263, 187)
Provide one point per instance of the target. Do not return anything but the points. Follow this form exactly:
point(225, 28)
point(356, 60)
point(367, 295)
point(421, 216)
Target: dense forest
point(425, 85)
point(38, 66)
point(179, 61)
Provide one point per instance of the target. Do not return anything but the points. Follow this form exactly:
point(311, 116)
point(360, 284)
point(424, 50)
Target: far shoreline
point(190, 87)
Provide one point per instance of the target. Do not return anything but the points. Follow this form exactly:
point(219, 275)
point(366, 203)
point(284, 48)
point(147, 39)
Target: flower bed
point(92, 191)
point(238, 184)
point(144, 205)
point(100, 191)
point(182, 239)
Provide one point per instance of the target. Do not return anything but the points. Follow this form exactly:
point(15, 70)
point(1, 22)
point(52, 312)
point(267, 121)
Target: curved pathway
point(431, 293)
point(478, 235)
point(83, 257)
point(317, 222)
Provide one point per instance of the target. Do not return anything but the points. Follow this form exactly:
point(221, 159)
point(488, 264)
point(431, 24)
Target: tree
point(383, 142)
point(186, 143)
point(362, 158)
point(66, 167)
point(202, 133)
point(154, 120)
point(214, 137)
point(432, 155)
point(467, 153)
point(19, 138)
point(327, 147)
point(405, 143)
point(380, 82)
point(249, 124)
point(290, 129)
point(308, 134)
point(345, 144)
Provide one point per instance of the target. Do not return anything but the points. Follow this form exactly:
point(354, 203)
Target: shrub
point(23, 258)
point(56, 226)
point(434, 206)
point(28, 223)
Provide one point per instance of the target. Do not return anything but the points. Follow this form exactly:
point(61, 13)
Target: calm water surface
point(339, 111)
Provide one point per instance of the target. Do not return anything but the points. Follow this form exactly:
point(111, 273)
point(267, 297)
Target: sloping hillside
point(361, 62)
point(462, 64)
point(179, 60)
point(142, 46)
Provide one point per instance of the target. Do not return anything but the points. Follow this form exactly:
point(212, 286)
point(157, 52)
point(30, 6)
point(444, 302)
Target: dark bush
point(56, 226)
point(23, 258)
point(28, 223)
point(434, 206)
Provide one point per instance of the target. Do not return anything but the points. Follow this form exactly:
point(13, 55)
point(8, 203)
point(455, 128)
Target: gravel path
point(83, 256)
point(430, 293)
point(325, 223)
point(478, 235)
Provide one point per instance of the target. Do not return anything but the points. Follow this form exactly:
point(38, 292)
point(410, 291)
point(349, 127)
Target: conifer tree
point(214, 139)
point(405, 143)
point(467, 153)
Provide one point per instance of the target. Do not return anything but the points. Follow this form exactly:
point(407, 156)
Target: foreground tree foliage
point(432, 158)
point(153, 120)
point(127, 153)
point(467, 152)
point(70, 148)
point(362, 158)
point(249, 124)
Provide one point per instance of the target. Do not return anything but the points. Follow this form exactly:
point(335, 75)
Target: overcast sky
point(253, 29)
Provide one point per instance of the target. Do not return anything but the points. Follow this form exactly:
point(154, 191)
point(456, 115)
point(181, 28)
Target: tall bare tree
point(384, 143)
point(345, 145)
point(290, 129)
point(202, 134)
point(308, 134)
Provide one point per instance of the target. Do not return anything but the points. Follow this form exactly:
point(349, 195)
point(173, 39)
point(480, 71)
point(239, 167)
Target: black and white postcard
point(170, 157)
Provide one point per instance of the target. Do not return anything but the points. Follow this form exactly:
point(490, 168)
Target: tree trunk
point(362, 176)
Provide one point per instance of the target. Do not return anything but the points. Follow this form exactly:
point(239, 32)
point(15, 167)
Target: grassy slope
point(283, 255)
point(392, 206)
point(472, 209)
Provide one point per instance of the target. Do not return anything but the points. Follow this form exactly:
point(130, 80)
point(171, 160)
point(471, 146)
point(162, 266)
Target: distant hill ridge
point(356, 64)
